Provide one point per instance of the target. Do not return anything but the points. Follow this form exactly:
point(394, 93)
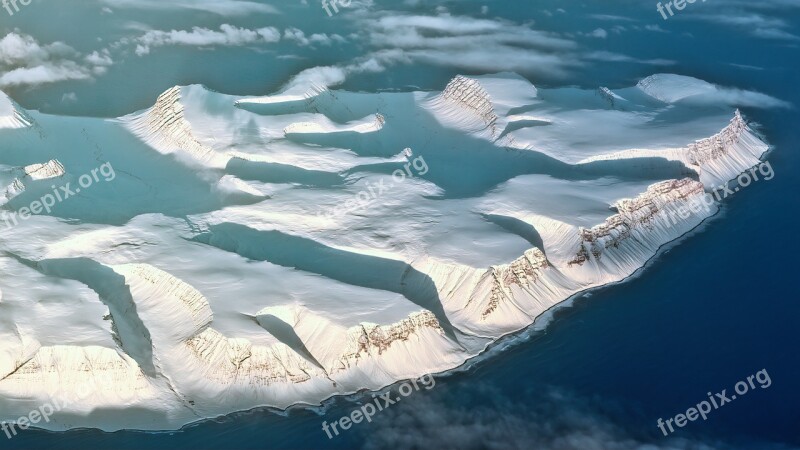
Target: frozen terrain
point(270, 251)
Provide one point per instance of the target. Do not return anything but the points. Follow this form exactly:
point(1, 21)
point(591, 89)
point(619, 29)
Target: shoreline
point(491, 349)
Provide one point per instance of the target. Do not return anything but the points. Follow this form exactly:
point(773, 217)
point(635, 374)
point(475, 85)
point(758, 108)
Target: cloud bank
point(227, 35)
point(26, 62)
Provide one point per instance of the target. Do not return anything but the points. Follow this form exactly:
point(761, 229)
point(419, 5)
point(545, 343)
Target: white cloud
point(316, 77)
point(459, 42)
point(22, 49)
point(101, 58)
point(297, 35)
point(673, 88)
point(472, 44)
point(550, 419)
point(220, 7)
point(227, 35)
point(69, 97)
point(599, 33)
point(743, 98)
point(26, 62)
point(655, 28)
point(44, 73)
point(763, 19)
point(611, 18)
point(620, 58)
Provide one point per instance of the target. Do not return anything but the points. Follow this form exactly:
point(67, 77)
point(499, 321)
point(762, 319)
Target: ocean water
point(702, 316)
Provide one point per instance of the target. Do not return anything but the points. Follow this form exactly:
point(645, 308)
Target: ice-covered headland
point(203, 280)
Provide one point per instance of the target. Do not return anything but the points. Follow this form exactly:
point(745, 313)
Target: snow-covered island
point(201, 280)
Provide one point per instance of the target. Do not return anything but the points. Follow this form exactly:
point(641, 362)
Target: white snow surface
point(272, 251)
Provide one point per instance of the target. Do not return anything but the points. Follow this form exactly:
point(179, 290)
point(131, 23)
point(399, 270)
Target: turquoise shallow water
point(704, 315)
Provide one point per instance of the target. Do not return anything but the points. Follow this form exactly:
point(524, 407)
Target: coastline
point(491, 349)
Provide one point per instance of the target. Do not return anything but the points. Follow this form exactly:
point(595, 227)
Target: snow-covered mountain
point(201, 278)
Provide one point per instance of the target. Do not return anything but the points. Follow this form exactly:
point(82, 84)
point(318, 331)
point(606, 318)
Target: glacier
point(201, 280)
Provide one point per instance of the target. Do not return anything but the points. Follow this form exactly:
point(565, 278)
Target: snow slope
point(208, 276)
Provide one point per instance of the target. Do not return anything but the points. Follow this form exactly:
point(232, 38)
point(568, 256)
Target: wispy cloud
point(26, 62)
point(227, 35)
point(472, 44)
point(221, 7)
point(762, 19)
point(551, 419)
